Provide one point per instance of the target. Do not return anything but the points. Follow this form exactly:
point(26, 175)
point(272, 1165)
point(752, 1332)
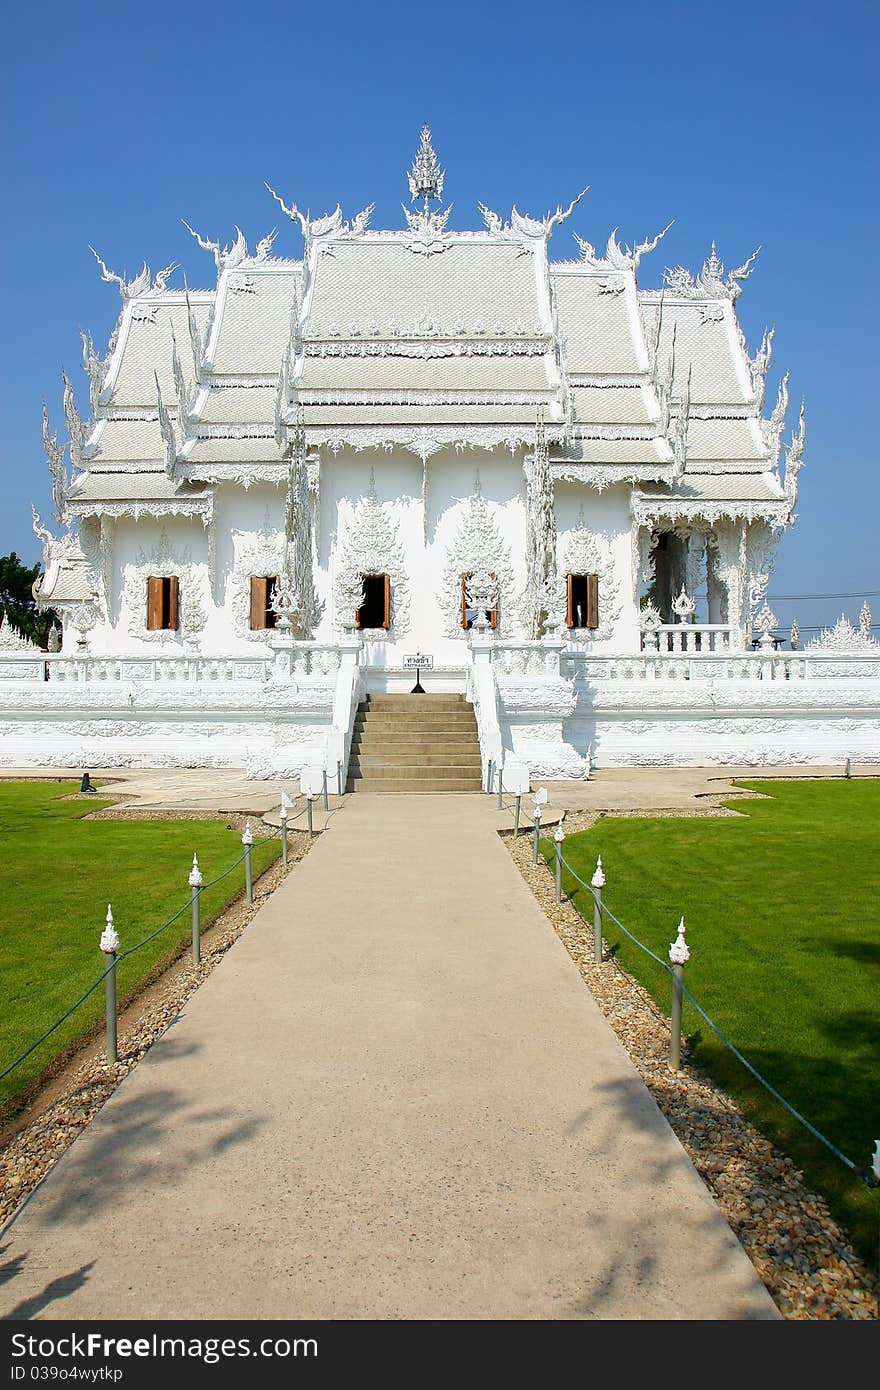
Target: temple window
point(263, 615)
point(375, 611)
point(163, 595)
point(582, 600)
point(468, 614)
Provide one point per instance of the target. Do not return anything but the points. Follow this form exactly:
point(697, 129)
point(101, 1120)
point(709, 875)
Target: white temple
point(558, 486)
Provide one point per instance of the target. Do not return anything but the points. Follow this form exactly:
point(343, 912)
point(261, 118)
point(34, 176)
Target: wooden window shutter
point(173, 602)
point(592, 600)
point(386, 621)
point(569, 602)
point(259, 602)
point(154, 604)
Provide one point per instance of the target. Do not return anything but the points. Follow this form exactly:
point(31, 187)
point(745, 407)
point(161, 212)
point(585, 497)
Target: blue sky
point(752, 124)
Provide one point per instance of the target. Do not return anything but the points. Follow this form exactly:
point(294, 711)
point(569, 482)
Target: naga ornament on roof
point(711, 282)
point(230, 256)
point(142, 282)
point(331, 223)
point(794, 461)
point(537, 228)
point(55, 460)
point(617, 257)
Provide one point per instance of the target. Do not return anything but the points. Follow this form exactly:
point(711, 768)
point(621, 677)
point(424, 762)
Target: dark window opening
point(375, 611)
point(263, 615)
point(162, 603)
point(583, 600)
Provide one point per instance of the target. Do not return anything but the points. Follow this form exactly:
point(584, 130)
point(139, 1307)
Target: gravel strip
point(798, 1250)
point(85, 1084)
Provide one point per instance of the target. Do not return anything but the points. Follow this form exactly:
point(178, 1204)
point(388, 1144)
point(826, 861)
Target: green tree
point(16, 598)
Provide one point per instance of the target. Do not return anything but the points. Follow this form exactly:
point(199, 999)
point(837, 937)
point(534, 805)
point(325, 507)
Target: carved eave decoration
point(666, 512)
point(422, 440)
point(600, 476)
point(418, 345)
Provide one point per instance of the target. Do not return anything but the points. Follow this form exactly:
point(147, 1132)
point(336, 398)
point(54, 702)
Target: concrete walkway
point(394, 1098)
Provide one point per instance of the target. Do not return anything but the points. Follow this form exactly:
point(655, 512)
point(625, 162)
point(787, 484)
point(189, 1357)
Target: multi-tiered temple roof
point(426, 338)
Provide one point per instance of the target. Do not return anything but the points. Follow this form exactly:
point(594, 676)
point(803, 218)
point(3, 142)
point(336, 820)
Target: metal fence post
point(195, 883)
point(679, 955)
point(247, 840)
point(110, 946)
point(516, 815)
point(537, 834)
point(284, 834)
point(339, 778)
point(490, 777)
point(847, 770)
point(500, 787)
point(598, 883)
point(309, 812)
point(326, 802)
point(558, 838)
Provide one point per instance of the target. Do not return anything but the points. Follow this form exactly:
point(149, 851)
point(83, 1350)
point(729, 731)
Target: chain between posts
point(116, 957)
point(679, 954)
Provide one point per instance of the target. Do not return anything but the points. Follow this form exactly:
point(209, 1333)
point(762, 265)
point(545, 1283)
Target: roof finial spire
point(426, 177)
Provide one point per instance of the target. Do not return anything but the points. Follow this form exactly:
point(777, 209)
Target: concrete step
point(413, 784)
point(442, 720)
point(413, 701)
point(412, 771)
point(405, 757)
point(432, 741)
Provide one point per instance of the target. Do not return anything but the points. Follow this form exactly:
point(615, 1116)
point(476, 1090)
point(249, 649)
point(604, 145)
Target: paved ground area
point(209, 790)
point(393, 1099)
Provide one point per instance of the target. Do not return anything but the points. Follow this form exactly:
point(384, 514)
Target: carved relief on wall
point(370, 545)
point(162, 561)
point(256, 553)
point(477, 545)
point(590, 552)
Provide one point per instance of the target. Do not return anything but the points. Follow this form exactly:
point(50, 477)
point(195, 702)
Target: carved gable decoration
point(371, 546)
point(478, 545)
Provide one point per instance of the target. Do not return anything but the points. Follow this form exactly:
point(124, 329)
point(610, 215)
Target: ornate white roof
point(426, 337)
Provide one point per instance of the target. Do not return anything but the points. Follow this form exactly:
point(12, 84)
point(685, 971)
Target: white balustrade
point(689, 637)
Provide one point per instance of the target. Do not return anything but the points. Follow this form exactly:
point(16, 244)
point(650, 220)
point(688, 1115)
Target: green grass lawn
point(58, 872)
point(783, 922)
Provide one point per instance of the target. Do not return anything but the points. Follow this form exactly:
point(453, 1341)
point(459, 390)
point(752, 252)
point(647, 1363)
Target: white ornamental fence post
point(110, 945)
point(247, 840)
point(195, 881)
point(598, 883)
point(679, 954)
point(283, 830)
point(540, 800)
point(558, 840)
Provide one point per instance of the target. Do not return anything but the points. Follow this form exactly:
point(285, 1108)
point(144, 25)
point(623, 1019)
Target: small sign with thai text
point(418, 662)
